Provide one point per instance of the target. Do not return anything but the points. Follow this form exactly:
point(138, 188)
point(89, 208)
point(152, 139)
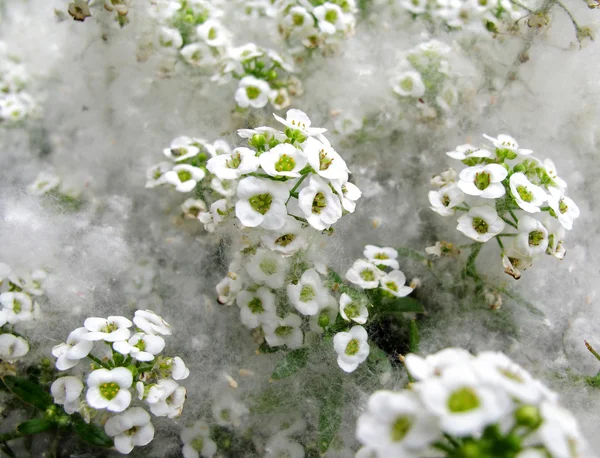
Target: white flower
point(533, 237)
point(560, 432)
point(221, 147)
point(228, 288)
point(268, 132)
point(16, 307)
point(298, 120)
point(514, 261)
point(308, 295)
point(395, 284)
point(284, 331)
point(556, 239)
point(73, 350)
point(408, 84)
point(12, 347)
point(109, 389)
point(184, 177)
point(130, 429)
point(213, 33)
point(256, 307)
point(320, 205)
point(142, 347)
point(261, 203)
point(252, 92)
point(352, 348)
point(444, 178)
point(483, 180)
point(193, 207)
point(240, 162)
point(169, 38)
point(197, 442)
point(324, 160)
point(527, 195)
point(414, 6)
point(155, 175)
point(325, 317)
point(480, 223)
point(181, 148)
point(396, 424)
point(151, 323)
point(66, 392)
point(364, 274)
point(467, 151)
point(111, 329)
point(280, 445)
point(267, 268)
point(330, 18)
point(443, 201)
point(564, 208)
point(299, 20)
point(462, 403)
point(436, 363)
point(44, 182)
point(348, 193)
point(506, 142)
point(287, 240)
point(197, 54)
point(284, 160)
point(179, 371)
point(34, 284)
point(381, 256)
point(217, 213)
point(228, 411)
point(280, 98)
point(448, 97)
point(353, 310)
point(171, 400)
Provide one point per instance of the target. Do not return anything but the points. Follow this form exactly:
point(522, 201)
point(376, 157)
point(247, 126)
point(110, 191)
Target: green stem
point(507, 235)
point(514, 217)
point(575, 24)
point(293, 192)
point(452, 440)
point(98, 361)
point(462, 209)
point(500, 243)
point(591, 350)
point(299, 219)
point(520, 5)
point(509, 222)
point(443, 447)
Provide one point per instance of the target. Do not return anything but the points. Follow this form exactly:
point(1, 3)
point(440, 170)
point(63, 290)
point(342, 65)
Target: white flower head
point(141, 347)
point(213, 33)
point(280, 98)
point(330, 18)
point(560, 433)
point(320, 205)
point(261, 203)
point(284, 160)
point(12, 347)
point(514, 260)
point(179, 370)
point(467, 151)
point(483, 181)
point(130, 429)
point(445, 178)
point(240, 161)
point(325, 317)
point(184, 177)
point(298, 120)
point(382, 256)
point(229, 411)
point(443, 201)
point(267, 268)
point(181, 148)
point(75, 349)
point(197, 442)
point(353, 309)
point(193, 207)
point(256, 307)
point(527, 195)
point(395, 284)
point(352, 348)
point(109, 389)
point(480, 223)
point(435, 364)
point(448, 97)
point(252, 92)
point(16, 308)
point(324, 160)
point(533, 237)
point(171, 399)
point(198, 54)
point(150, 323)
point(506, 142)
point(364, 274)
point(155, 175)
point(308, 295)
point(285, 331)
point(287, 240)
point(111, 329)
point(66, 392)
point(228, 288)
point(169, 38)
point(348, 193)
point(408, 84)
point(44, 182)
point(565, 209)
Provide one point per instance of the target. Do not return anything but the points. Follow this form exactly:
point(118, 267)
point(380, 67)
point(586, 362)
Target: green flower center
point(252, 92)
point(480, 226)
point(445, 200)
point(17, 306)
point(324, 160)
point(196, 56)
point(176, 152)
point(268, 266)
point(110, 327)
point(261, 202)
point(109, 390)
point(535, 238)
point(285, 240)
point(463, 400)
point(331, 16)
point(525, 194)
point(184, 175)
point(562, 207)
point(307, 293)
point(319, 202)
point(482, 180)
point(285, 164)
point(392, 286)
point(255, 306)
point(352, 347)
point(400, 428)
point(226, 414)
point(198, 444)
point(298, 19)
point(212, 33)
point(367, 275)
point(381, 256)
point(141, 345)
point(283, 331)
point(352, 310)
point(323, 319)
point(235, 161)
point(407, 84)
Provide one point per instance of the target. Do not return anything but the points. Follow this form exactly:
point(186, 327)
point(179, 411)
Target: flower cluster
point(16, 104)
point(499, 192)
point(315, 23)
point(129, 364)
point(423, 78)
point(495, 16)
point(465, 405)
point(79, 10)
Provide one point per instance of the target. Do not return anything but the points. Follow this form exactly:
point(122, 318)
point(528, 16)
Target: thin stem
point(507, 235)
point(293, 190)
point(513, 216)
point(575, 24)
point(462, 209)
point(443, 447)
point(591, 350)
point(452, 440)
point(500, 243)
point(299, 219)
point(509, 222)
point(520, 5)
point(98, 361)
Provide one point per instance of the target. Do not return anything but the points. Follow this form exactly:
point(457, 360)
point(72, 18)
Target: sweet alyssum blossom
point(73, 350)
point(184, 177)
point(197, 442)
point(261, 203)
point(130, 429)
point(364, 274)
point(111, 329)
point(12, 347)
point(308, 294)
point(267, 268)
point(483, 181)
point(394, 283)
point(480, 223)
point(443, 201)
point(352, 348)
point(109, 389)
point(231, 166)
point(528, 196)
point(353, 310)
point(16, 307)
point(284, 160)
point(66, 391)
point(256, 307)
point(252, 92)
point(284, 331)
point(320, 205)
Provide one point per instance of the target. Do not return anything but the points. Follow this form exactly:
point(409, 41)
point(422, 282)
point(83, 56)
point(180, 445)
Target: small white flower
point(109, 389)
point(298, 120)
point(352, 348)
point(261, 203)
point(284, 331)
point(506, 142)
point(325, 317)
point(364, 274)
point(480, 223)
point(483, 180)
point(228, 288)
point(564, 208)
point(320, 205)
point(181, 148)
point(560, 432)
point(280, 98)
point(111, 329)
point(330, 18)
point(179, 371)
point(467, 151)
point(213, 33)
point(142, 347)
point(396, 424)
point(414, 6)
point(170, 403)
point(44, 182)
point(287, 240)
point(443, 201)
point(197, 442)
point(556, 239)
point(280, 445)
point(155, 175)
point(514, 261)
point(218, 212)
point(197, 54)
point(324, 160)
point(16, 308)
point(66, 392)
point(267, 268)
point(12, 347)
point(268, 132)
point(151, 323)
point(256, 307)
point(228, 411)
point(348, 193)
point(193, 207)
point(34, 284)
point(73, 350)
point(444, 178)
point(308, 295)
point(395, 284)
point(527, 195)
point(408, 84)
point(353, 310)
point(436, 363)
point(382, 256)
point(184, 177)
point(240, 162)
point(533, 237)
point(284, 160)
point(130, 429)
point(252, 92)
point(169, 38)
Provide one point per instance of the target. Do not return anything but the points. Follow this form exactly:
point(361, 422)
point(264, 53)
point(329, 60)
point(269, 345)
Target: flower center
point(141, 345)
point(352, 310)
point(255, 306)
point(235, 161)
point(17, 306)
point(562, 207)
point(261, 202)
point(319, 203)
point(392, 286)
point(352, 347)
point(285, 240)
point(323, 319)
point(463, 400)
point(285, 164)
point(197, 444)
point(324, 160)
point(400, 428)
point(298, 19)
point(331, 16)
point(381, 256)
point(445, 200)
point(110, 327)
point(212, 33)
point(480, 226)
point(307, 293)
point(283, 331)
point(109, 390)
point(226, 414)
point(268, 266)
point(367, 275)
point(525, 194)
point(407, 84)
point(482, 180)
point(184, 175)
point(252, 92)
point(535, 238)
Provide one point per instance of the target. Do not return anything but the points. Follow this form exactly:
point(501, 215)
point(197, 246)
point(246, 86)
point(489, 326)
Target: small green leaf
point(265, 348)
point(91, 433)
point(402, 305)
point(28, 392)
point(330, 414)
point(37, 425)
point(378, 360)
point(290, 363)
point(413, 337)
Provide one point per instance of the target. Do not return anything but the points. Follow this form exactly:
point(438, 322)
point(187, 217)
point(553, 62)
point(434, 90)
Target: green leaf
point(290, 363)
point(413, 337)
point(378, 360)
point(401, 305)
point(37, 425)
point(330, 414)
point(28, 392)
point(265, 348)
point(91, 433)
